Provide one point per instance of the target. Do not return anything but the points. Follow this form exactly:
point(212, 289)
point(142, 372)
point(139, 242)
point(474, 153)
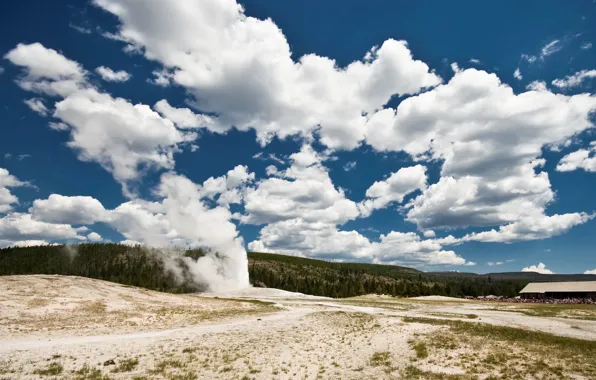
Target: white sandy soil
point(78, 323)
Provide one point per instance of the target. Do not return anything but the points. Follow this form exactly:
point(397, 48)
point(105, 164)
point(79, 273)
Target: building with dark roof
point(574, 289)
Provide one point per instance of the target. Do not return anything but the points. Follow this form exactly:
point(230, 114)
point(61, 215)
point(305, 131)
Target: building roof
point(553, 287)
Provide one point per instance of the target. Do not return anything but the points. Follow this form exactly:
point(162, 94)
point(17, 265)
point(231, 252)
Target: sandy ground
point(69, 327)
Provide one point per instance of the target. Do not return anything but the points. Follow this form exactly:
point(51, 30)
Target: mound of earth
point(53, 304)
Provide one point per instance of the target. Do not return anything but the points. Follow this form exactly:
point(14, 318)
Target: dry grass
point(126, 365)
point(53, 369)
point(38, 302)
point(584, 312)
point(95, 307)
point(482, 349)
point(89, 373)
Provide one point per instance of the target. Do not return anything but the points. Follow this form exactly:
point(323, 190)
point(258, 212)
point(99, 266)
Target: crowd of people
point(589, 301)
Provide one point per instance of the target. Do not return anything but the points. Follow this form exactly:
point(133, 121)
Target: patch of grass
point(89, 373)
point(513, 334)
point(513, 351)
point(420, 349)
point(183, 376)
point(412, 372)
point(379, 359)
point(584, 312)
point(126, 365)
point(453, 315)
point(96, 307)
point(53, 369)
point(253, 302)
point(160, 368)
point(38, 302)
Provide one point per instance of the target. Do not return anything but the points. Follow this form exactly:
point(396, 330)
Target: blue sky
point(436, 135)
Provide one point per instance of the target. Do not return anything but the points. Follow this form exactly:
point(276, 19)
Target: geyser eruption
point(225, 266)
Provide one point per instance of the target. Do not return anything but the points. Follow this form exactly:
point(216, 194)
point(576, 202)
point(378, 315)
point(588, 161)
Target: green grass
point(53, 369)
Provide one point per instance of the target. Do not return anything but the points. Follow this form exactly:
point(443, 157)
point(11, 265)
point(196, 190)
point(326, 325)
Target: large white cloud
point(531, 228)
point(302, 191)
point(123, 138)
point(241, 68)
point(46, 71)
point(394, 188)
point(489, 140)
point(16, 227)
point(540, 268)
point(302, 209)
point(69, 210)
point(229, 188)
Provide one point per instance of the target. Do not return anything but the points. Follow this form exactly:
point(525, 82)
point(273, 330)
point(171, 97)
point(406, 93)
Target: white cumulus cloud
point(394, 188)
point(540, 268)
point(69, 210)
point(580, 159)
point(242, 69)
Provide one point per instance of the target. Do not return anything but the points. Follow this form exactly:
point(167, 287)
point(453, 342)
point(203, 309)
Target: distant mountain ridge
point(530, 276)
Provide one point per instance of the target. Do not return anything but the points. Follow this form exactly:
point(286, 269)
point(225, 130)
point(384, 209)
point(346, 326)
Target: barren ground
point(77, 328)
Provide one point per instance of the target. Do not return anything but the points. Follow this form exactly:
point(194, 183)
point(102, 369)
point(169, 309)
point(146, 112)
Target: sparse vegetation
point(89, 373)
point(380, 359)
point(420, 349)
point(585, 312)
point(126, 365)
point(510, 351)
point(53, 369)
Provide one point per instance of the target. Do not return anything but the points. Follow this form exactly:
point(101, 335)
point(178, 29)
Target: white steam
point(72, 250)
point(225, 266)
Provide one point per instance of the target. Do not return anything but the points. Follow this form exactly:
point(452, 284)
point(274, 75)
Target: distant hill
point(333, 279)
point(525, 276)
point(146, 267)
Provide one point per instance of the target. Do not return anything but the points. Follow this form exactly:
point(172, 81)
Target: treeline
point(136, 266)
point(318, 277)
point(154, 269)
